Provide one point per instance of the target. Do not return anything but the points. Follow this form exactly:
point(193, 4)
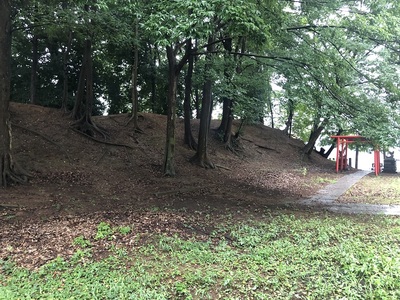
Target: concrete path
point(326, 198)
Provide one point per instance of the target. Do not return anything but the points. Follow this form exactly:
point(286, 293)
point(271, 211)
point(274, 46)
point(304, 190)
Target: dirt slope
point(75, 175)
point(78, 183)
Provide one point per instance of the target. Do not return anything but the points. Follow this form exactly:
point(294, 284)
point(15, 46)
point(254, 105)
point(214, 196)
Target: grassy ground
point(275, 254)
point(382, 189)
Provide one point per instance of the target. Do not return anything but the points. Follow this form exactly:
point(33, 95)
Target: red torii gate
point(342, 142)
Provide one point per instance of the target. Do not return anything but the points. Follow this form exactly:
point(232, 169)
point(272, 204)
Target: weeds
point(280, 256)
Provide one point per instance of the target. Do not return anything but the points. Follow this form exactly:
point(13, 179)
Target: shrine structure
point(342, 143)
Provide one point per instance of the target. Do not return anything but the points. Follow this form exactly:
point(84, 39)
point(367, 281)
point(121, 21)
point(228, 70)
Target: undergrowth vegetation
point(277, 255)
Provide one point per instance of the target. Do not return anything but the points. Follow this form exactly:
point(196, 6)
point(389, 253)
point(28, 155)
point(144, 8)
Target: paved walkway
point(326, 198)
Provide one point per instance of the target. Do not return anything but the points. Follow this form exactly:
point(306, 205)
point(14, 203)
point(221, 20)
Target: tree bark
point(83, 107)
point(201, 156)
point(135, 96)
point(64, 101)
point(34, 69)
point(227, 102)
point(77, 110)
point(169, 161)
point(333, 146)
point(187, 109)
point(8, 169)
point(225, 128)
point(270, 106)
point(85, 123)
point(289, 121)
point(315, 133)
point(174, 68)
point(196, 89)
point(153, 81)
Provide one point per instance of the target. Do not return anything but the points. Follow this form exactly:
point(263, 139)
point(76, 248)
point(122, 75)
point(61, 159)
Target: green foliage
point(104, 231)
point(82, 242)
point(124, 230)
point(336, 61)
point(281, 255)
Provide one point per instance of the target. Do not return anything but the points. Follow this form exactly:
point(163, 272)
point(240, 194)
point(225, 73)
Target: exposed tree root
point(43, 137)
point(222, 167)
point(190, 142)
point(101, 141)
point(202, 162)
point(10, 172)
point(232, 148)
point(6, 205)
point(136, 128)
point(261, 146)
point(86, 126)
point(267, 148)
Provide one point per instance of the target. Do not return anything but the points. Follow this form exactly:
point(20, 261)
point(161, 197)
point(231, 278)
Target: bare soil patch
point(78, 182)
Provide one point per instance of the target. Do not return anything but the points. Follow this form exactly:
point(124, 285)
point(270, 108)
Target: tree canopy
point(313, 66)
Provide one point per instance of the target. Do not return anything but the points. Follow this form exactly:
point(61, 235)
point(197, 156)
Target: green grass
point(382, 189)
point(282, 255)
point(324, 180)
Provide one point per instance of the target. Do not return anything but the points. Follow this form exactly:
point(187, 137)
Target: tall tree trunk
point(226, 102)
point(34, 69)
point(85, 96)
point(187, 109)
point(289, 121)
point(201, 156)
point(315, 133)
point(174, 68)
point(270, 106)
point(225, 127)
point(89, 80)
point(8, 169)
point(197, 102)
point(196, 89)
point(64, 101)
point(153, 59)
point(135, 96)
point(333, 146)
point(169, 159)
point(77, 110)
point(227, 108)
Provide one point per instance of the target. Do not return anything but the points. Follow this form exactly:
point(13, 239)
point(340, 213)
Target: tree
point(9, 171)
point(188, 138)
point(83, 107)
point(172, 24)
point(342, 50)
point(201, 156)
point(174, 69)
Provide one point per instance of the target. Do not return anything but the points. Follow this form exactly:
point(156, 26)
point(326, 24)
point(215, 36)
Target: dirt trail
point(327, 197)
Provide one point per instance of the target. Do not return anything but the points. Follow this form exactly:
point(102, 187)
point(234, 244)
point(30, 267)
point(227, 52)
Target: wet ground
point(328, 196)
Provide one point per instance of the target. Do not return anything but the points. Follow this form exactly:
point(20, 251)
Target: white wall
point(366, 159)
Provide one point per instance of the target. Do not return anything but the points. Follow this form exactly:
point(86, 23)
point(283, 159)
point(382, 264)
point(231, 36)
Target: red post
point(337, 153)
point(344, 155)
point(377, 159)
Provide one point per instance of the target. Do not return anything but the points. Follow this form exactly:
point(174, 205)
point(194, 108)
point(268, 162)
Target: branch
point(252, 55)
point(313, 27)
